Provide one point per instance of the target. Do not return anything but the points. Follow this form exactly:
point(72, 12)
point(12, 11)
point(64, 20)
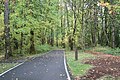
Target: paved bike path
point(46, 67)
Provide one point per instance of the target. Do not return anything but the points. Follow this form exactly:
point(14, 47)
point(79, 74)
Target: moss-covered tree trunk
point(52, 38)
point(113, 24)
point(95, 24)
point(8, 52)
point(82, 25)
point(21, 43)
point(32, 45)
point(71, 42)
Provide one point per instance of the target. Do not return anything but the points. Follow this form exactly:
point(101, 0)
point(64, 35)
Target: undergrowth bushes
point(43, 48)
point(106, 50)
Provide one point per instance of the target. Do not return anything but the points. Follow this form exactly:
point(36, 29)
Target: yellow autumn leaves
point(104, 4)
point(110, 7)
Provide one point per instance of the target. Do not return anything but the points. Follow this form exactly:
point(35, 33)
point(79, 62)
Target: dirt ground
point(104, 65)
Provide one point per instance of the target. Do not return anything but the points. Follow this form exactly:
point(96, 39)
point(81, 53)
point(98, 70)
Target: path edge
point(11, 68)
point(66, 69)
point(18, 65)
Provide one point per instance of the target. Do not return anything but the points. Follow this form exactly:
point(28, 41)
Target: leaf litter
point(104, 64)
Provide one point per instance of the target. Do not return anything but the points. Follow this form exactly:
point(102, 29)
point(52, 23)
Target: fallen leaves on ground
point(104, 65)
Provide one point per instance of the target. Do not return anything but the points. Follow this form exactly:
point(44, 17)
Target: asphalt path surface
point(47, 67)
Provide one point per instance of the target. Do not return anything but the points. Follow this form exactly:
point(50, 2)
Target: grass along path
point(6, 66)
point(16, 59)
point(97, 66)
point(77, 67)
point(106, 50)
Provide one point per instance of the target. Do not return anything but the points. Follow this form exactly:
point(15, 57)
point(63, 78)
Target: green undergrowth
point(43, 48)
point(77, 67)
point(106, 50)
point(1, 54)
point(6, 66)
point(40, 50)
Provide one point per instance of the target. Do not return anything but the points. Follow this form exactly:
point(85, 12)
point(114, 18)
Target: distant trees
point(92, 22)
point(67, 23)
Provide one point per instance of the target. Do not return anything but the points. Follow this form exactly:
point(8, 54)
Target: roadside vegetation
point(98, 63)
point(106, 50)
point(6, 66)
point(78, 68)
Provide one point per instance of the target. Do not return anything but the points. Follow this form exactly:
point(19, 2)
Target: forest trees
point(28, 24)
point(66, 23)
point(94, 22)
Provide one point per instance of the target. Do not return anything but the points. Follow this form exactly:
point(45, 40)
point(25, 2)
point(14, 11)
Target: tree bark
point(15, 43)
point(57, 44)
point(82, 26)
point(75, 18)
point(76, 54)
point(21, 43)
point(70, 42)
point(52, 38)
point(32, 46)
point(94, 25)
point(8, 52)
point(113, 26)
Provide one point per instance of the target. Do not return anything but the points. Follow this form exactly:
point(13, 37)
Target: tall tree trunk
point(52, 38)
point(57, 44)
point(8, 52)
point(113, 26)
point(43, 40)
point(32, 46)
point(67, 16)
point(21, 43)
point(106, 26)
point(82, 26)
point(75, 20)
point(63, 30)
point(113, 30)
point(70, 42)
point(15, 43)
point(113, 36)
point(48, 40)
point(94, 25)
point(63, 42)
point(74, 24)
point(62, 25)
point(104, 37)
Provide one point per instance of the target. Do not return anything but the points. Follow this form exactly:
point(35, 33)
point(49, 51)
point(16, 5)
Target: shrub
point(43, 48)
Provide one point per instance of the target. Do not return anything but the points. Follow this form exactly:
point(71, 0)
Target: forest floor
point(104, 65)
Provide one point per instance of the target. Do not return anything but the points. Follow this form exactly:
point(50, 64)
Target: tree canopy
point(65, 23)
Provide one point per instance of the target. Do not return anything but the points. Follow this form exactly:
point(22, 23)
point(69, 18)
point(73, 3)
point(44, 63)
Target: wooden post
point(76, 54)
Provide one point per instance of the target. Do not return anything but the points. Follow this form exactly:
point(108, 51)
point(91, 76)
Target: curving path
point(46, 67)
